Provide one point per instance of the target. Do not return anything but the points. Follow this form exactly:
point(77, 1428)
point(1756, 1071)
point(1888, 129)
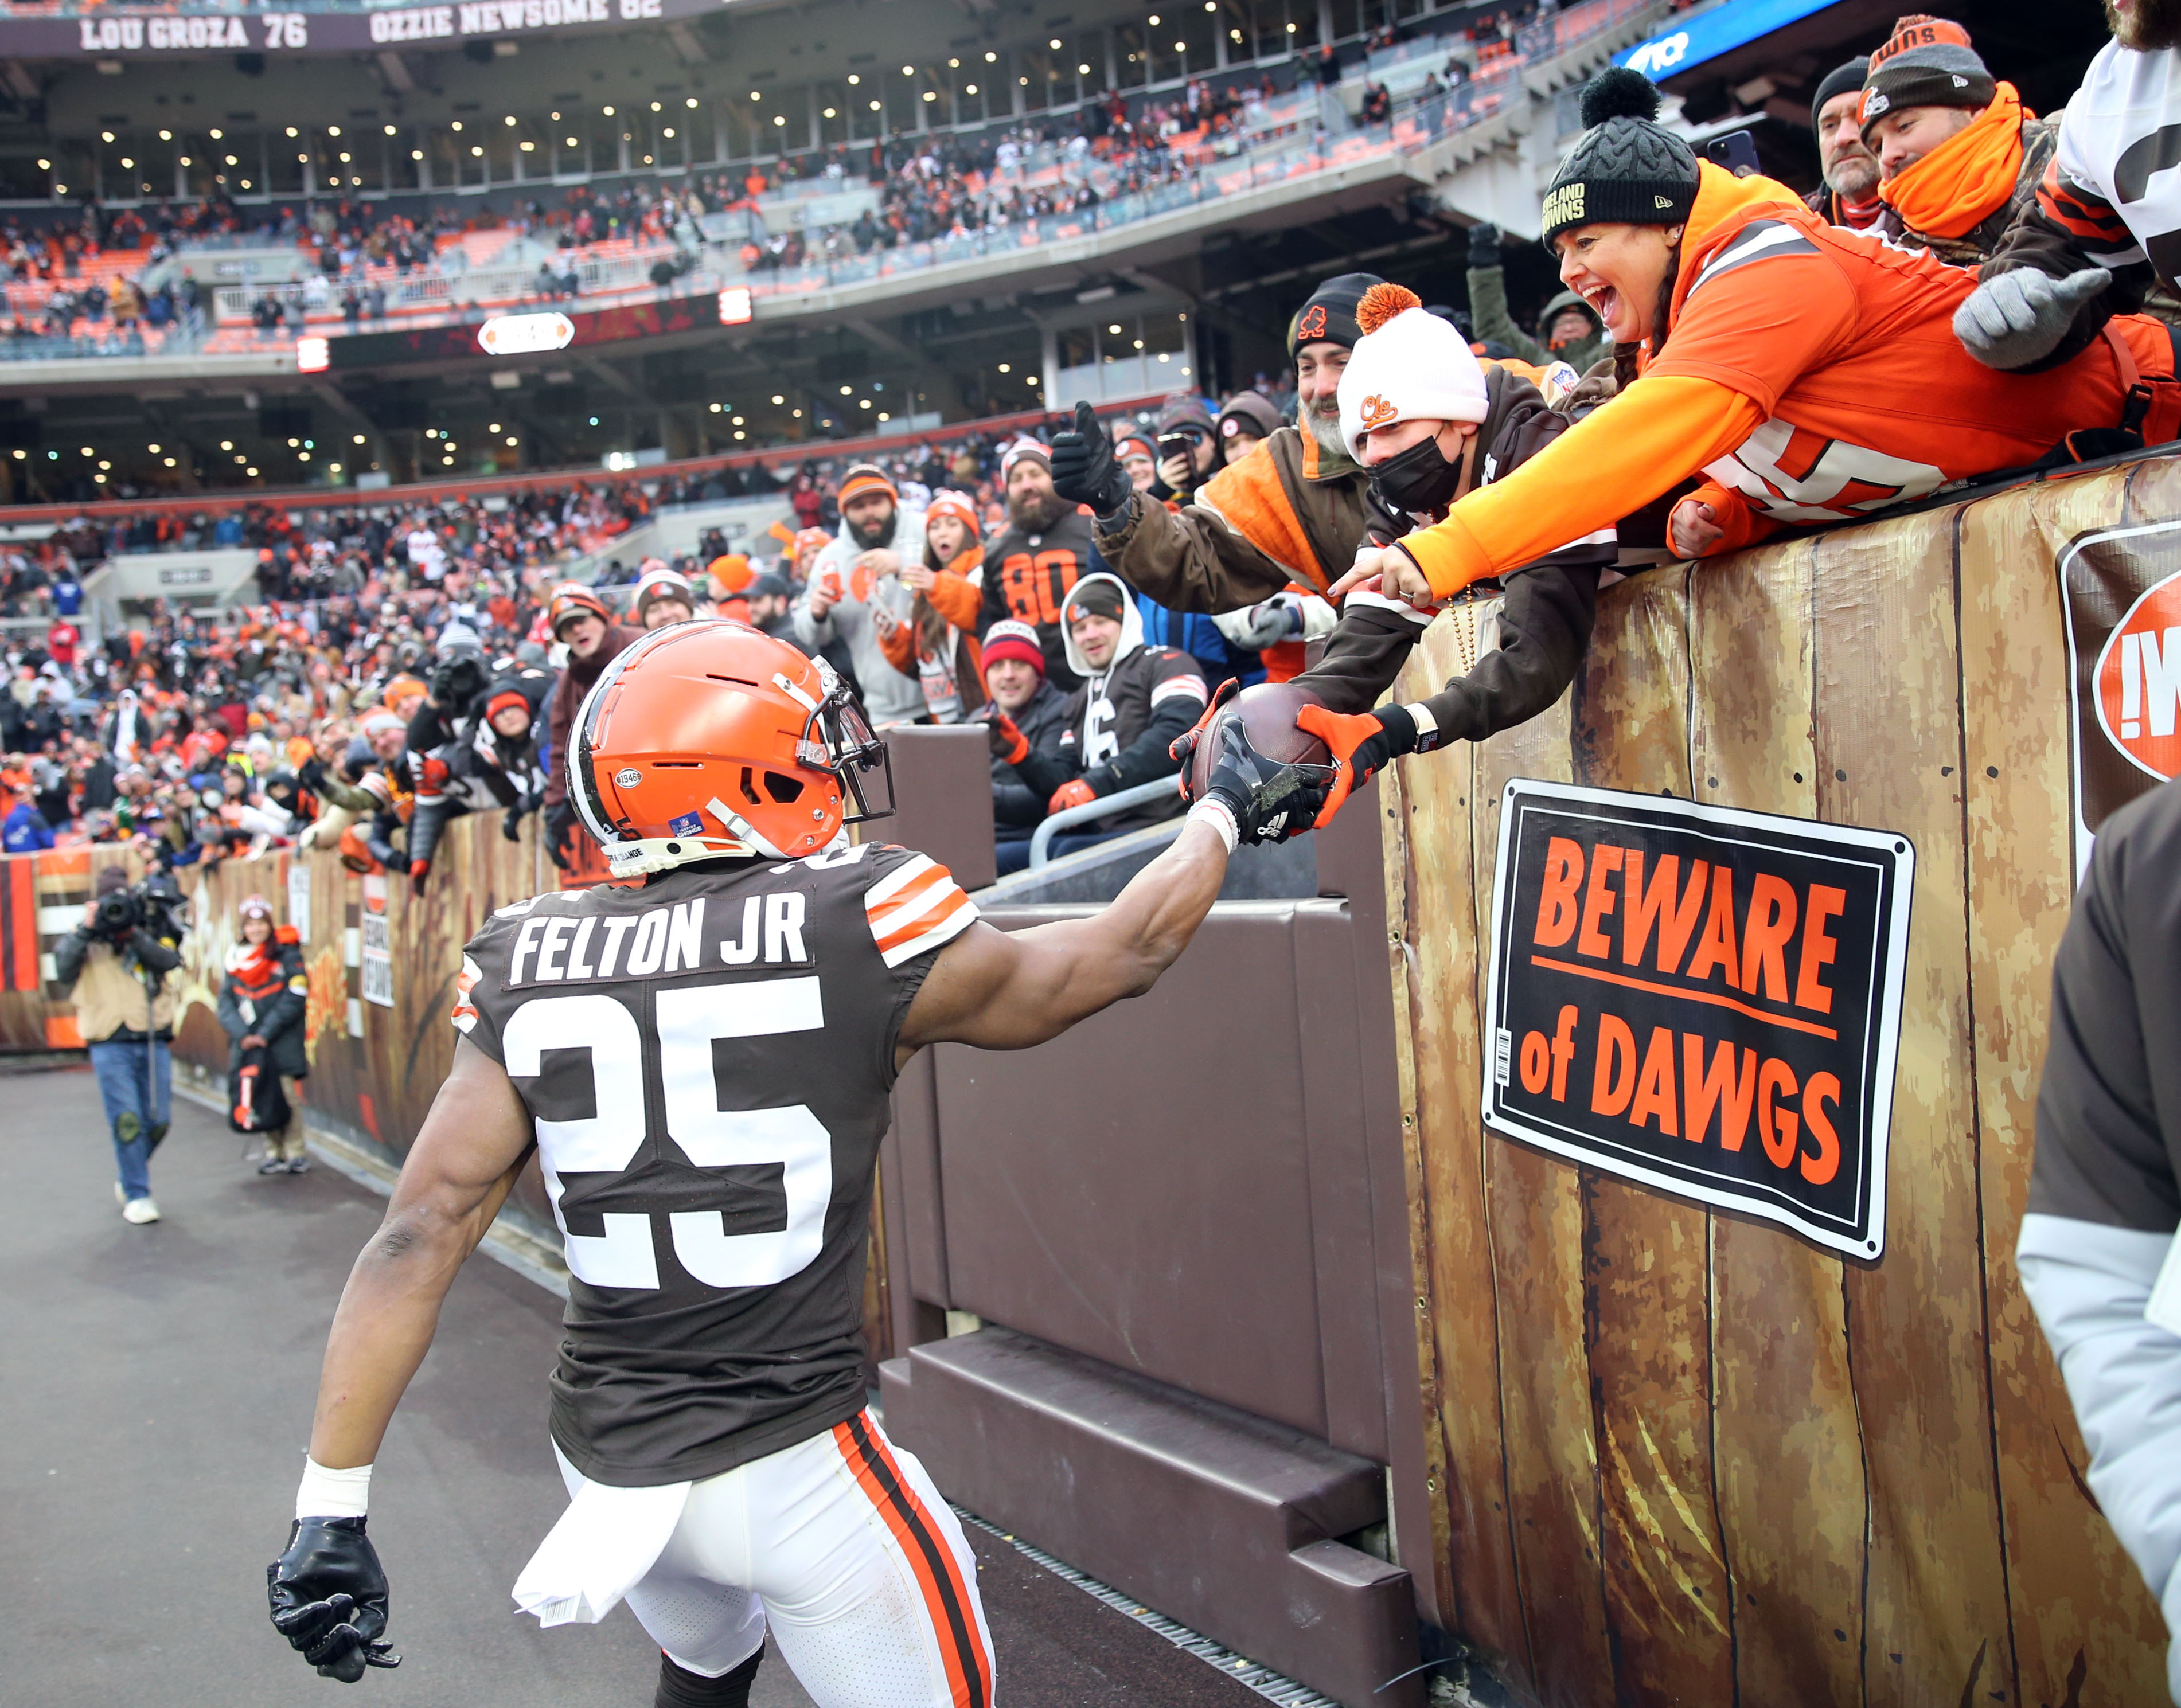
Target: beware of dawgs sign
point(1701, 1001)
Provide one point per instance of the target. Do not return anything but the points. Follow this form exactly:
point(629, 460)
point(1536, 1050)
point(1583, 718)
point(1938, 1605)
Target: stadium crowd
point(1086, 592)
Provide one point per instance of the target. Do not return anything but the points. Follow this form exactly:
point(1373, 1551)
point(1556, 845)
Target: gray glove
point(1272, 622)
point(2019, 318)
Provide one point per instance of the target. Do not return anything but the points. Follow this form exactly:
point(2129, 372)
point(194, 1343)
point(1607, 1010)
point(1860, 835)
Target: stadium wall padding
point(1678, 1454)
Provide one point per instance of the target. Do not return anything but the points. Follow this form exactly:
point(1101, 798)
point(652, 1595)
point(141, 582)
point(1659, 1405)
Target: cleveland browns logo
point(1312, 324)
point(1376, 411)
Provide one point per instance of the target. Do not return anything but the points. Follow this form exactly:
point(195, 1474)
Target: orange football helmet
point(710, 738)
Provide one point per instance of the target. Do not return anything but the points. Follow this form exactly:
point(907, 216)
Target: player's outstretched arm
point(1008, 990)
point(453, 1182)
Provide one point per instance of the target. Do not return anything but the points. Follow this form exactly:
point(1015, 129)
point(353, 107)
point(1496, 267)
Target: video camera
point(156, 905)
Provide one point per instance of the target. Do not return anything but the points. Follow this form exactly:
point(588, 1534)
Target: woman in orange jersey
point(1809, 373)
point(937, 644)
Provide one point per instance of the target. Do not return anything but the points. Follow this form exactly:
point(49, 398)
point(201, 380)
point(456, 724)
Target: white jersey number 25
point(690, 1019)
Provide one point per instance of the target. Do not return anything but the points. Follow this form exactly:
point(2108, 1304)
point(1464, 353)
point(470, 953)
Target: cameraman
point(120, 964)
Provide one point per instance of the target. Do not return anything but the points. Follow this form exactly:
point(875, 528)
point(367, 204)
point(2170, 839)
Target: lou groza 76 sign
point(1702, 1000)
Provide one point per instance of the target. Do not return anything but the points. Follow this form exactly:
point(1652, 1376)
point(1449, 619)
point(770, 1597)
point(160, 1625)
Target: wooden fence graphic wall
point(1681, 1457)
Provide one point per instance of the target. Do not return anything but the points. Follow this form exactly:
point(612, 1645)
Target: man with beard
point(2105, 229)
point(1848, 193)
point(594, 640)
point(860, 569)
point(1044, 550)
point(1287, 517)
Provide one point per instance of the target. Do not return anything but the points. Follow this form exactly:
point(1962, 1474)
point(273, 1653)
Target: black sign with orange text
point(1702, 1000)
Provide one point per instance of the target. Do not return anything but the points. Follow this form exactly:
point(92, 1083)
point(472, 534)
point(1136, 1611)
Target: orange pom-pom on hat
point(1381, 303)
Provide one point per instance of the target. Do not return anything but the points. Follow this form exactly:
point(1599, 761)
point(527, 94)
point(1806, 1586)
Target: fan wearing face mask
point(1429, 423)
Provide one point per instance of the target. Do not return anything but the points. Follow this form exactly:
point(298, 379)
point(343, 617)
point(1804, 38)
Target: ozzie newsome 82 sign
point(1703, 1000)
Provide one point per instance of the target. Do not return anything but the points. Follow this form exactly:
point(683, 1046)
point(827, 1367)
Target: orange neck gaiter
point(1966, 179)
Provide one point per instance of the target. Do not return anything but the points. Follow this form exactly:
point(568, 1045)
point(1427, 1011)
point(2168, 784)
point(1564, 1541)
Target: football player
point(701, 1060)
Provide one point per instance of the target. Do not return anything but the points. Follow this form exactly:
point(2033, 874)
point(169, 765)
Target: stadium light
point(106, 136)
point(991, 58)
point(655, 107)
point(390, 129)
point(1005, 368)
point(510, 119)
point(291, 129)
point(313, 355)
point(691, 103)
point(1054, 44)
point(217, 135)
point(45, 166)
point(972, 88)
point(853, 79)
point(331, 130)
point(608, 111)
point(168, 135)
point(734, 307)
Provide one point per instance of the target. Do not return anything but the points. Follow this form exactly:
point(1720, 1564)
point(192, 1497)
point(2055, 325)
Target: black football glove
point(1270, 802)
point(1182, 748)
point(1484, 245)
point(558, 823)
point(328, 1596)
point(1084, 470)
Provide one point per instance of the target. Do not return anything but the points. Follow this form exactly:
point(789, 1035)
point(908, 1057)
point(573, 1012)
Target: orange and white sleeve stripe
point(915, 907)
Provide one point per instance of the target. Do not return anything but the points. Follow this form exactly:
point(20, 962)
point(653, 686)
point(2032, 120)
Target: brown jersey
point(707, 1059)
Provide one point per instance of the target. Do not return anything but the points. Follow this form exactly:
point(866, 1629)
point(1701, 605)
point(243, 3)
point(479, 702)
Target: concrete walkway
point(156, 1386)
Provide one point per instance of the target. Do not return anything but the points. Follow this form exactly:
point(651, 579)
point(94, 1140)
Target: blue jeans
point(137, 1110)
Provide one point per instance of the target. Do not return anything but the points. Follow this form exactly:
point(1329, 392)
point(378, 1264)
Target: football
point(1267, 713)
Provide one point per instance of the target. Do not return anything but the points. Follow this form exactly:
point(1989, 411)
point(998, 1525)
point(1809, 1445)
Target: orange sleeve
point(1739, 524)
point(953, 597)
point(900, 648)
point(1615, 459)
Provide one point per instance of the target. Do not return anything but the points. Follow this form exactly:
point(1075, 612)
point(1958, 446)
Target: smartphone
point(1736, 151)
point(1176, 445)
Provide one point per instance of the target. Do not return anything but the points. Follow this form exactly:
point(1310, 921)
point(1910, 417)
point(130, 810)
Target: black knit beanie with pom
point(1624, 169)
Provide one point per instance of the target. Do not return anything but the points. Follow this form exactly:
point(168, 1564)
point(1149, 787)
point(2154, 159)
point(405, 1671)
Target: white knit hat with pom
point(1408, 365)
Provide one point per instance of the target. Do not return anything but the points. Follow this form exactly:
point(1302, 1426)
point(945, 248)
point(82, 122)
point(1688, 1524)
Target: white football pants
point(842, 1545)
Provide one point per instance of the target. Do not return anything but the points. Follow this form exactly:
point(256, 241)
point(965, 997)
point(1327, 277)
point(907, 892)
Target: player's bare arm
point(1008, 990)
point(459, 1173)
point(327, 1592)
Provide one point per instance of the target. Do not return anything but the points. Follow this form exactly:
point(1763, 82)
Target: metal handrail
point(1103, 807)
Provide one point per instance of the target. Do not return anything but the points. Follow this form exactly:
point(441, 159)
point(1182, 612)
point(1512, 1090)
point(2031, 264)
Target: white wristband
point(330, 1494)
point(1217, 814)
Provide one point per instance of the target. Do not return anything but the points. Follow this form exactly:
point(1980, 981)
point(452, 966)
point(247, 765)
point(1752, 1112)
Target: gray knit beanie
point(1838, 82)
point(1625, 168)
point(1927, 62)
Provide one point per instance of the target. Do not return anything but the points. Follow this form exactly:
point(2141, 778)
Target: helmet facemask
point(838, 738)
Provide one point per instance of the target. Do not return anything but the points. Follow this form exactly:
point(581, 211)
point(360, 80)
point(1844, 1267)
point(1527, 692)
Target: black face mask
point(1420, 479)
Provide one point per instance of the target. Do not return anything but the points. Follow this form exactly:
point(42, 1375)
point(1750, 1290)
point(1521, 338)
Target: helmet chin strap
point(745, 832)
